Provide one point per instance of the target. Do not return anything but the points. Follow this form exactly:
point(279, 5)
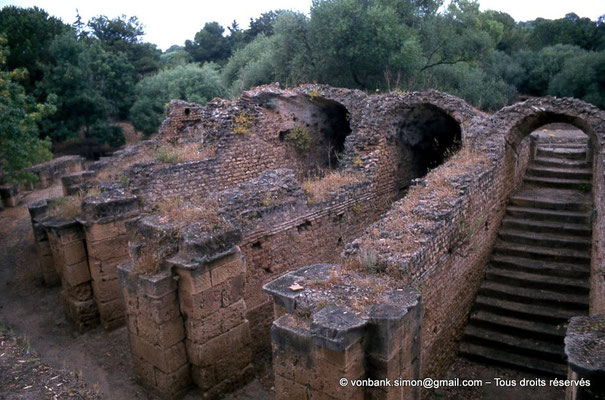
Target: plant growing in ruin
point(314, 94)
point(165, 155)
point(300, 137)
point(65, 207)
point(320, 189)
point(146, 262)
point(242, 122)
point(203, 212)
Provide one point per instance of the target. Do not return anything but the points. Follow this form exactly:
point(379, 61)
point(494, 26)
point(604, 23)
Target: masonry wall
point(68, 248)
point(107, 246)
point(449, 265)
point(316, 236)
point(50, 172)
point(597, 261)
point(156, 332)
point(317, 339)
point(37, 212)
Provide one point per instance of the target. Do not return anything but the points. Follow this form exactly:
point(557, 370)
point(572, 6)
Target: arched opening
point(316, 132)
point(539, 271)
point(430, 134)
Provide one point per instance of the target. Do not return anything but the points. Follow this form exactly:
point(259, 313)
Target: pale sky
point(174, 21)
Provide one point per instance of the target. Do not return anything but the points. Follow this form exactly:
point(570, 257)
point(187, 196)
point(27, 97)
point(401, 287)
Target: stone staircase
point(538, 275)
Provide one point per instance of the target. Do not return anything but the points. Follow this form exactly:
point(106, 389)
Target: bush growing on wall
point(187, 82)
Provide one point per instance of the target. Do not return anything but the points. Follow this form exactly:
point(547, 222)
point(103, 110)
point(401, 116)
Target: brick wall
point(68, 248)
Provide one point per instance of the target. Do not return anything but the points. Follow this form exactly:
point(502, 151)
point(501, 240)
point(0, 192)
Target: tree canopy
point(97, 73)
point(20, 145)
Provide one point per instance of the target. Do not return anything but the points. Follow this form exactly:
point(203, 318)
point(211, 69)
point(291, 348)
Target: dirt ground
point(42, 356)
point(32, 313)
point(510, 384)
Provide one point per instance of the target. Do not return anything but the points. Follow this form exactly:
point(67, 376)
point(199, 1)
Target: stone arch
point(516, 122)
point(520, 119)
point(430, 133)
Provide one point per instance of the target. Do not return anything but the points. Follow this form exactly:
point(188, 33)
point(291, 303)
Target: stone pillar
point(68, 248)
point(37, 212)
point(310, 358)
point(218, 333)
point(156, 331)
point(319, 341)
point(585, 350)
point(104, 218)
point(393, 349)
point(77, 182)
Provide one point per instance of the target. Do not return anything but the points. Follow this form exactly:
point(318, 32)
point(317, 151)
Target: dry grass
point(164, 154)
point(242, 122)
point(183, 153)
point(65, 207)
point(194, 152)
point(146, 262)
point(320, 189)
point(113, 171)
point(407, 223)
point(203, 213)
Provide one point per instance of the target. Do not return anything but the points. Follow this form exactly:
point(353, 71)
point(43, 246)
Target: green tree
point(124, 35)
point(458, 36)
point(356, 42)
point(175, 56)
point(470, 82)
point(20, 145)
point(571, 30)
point(582, 77)
point(250, 66)
point(90, 84)
point(209, 44)
point(262, 25)
point(539, 68)
point(29, 32)
point(189, 82)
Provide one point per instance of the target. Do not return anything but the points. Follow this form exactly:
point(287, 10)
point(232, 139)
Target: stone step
point(515, 344)
point(559, 183)
point(575, 217)
point(533, 296)
point(529, 225)
point(561, 152)
point(554, 240)
point(537, 281)
point(518, 326)
point(566, 173)
point(560, 163)
point(576, 145)
point(493, 356)
point(549, 268)
point(542, 253)
point(544, 314)
point(549, 203)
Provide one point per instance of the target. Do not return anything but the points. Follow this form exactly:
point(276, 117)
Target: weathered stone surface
point(437, 239)
point(585, 350)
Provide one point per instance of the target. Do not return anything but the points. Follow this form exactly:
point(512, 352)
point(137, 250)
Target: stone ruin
point(344, 233)
point(47, 174)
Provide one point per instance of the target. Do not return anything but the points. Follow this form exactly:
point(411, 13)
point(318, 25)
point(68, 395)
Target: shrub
point(165, 155)
point(299, 137)
point(241, 123)
point(185, 82)
point(65, 207)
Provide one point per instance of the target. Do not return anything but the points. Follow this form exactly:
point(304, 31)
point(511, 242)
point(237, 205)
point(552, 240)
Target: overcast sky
point(174, 21)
